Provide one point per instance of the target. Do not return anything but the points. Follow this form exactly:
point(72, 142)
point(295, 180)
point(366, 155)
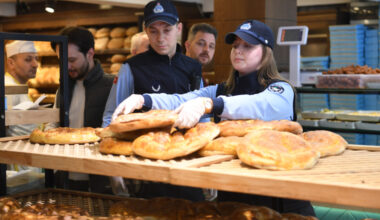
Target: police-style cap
point(20, 46)
point(253, 32)
point(160, 10)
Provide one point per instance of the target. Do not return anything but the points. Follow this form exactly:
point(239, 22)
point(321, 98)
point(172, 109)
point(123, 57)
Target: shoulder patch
point(115, 80)
point(276, 89)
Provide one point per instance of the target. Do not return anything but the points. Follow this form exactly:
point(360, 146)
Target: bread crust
point(222, 146)
point(64, 135)
point(115, 146)
point(325, 142)
point(276, 150)
point(150, 119)
point(242, 127)
point(165, 146)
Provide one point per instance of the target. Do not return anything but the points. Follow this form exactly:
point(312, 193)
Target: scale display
point(292, 35)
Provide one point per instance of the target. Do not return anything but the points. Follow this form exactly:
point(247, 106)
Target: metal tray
point(317, 115)
point(367, 126)
point(309, 122)
point(350, 116)
point(337, 124)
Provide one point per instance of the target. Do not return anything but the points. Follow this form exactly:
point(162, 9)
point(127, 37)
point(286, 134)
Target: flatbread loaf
point(325, 142)
point(166, 146)
point(8, 204)
point(128, 135)
point(222, 146)
point(64, 135)
point(255, 212)
point(276, 150)
point(150, 119)
point(115, 146)
point(242, 127)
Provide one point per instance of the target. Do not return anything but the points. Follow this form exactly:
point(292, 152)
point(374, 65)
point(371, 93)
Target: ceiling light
point(50, 6)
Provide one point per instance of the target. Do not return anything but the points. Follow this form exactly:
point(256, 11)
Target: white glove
point(130, 104)
point(191, 111)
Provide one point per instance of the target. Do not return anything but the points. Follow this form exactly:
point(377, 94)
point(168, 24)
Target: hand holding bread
point(130, 104)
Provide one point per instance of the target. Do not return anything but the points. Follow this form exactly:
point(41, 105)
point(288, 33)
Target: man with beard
point(22, 63)
point(89, 87)
point(200, 43)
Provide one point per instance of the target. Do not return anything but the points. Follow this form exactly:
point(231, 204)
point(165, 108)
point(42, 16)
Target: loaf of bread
point(102, 32)
point(101, 43)
point(131, 31)
point(118, 58)
point(118, 32)
point(115, 43)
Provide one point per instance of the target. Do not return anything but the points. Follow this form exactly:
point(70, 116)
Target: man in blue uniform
point(161, 69)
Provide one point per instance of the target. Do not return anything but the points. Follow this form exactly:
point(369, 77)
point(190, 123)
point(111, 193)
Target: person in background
point(88, 91)
point(200, 43)
point(139, 43)
point(22, 64)
point(163, 68)
point(254, 90)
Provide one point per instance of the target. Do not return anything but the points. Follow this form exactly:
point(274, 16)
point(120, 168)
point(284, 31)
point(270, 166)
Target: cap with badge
point(20, 46)
point(253, 32)
point(160, 10)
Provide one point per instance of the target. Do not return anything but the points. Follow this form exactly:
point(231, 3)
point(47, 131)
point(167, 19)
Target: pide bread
point(115, 146)
point(325, 142)
point(165, 146)
point(145, 120)
point(128, 135)
point(242, 127)
point(255, 212)
point(276, 150)
point(222, 146)
point(64, 135)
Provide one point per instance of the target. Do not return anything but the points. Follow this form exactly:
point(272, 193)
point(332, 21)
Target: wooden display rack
point(351, 179)
point(14, 117)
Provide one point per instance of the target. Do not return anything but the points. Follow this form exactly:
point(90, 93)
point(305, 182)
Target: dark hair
point(79, 36)
point(202, 27)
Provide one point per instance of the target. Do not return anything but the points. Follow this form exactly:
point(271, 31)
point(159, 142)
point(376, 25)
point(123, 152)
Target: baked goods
point(118, 32)
point(118, 58)
point(115, 67)
point(64, 135)
point(325, 142)
point(222, 146)
point(8, 204)
point(276, 150)
point(128, 135)
point(101, 43)
point(242, 127)
point(165, 146)
point(131, 31)
point(34, 94)
point(127, 42)
point(115, 43)
point(102, 32)
point(294, 216)
point(115, 146)
point(255, 212)
point(92, 31)
point(150, 119)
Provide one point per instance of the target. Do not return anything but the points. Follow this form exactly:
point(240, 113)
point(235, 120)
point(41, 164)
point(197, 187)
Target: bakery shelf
point(352, 178)
point(43, 115)
point(16, 89)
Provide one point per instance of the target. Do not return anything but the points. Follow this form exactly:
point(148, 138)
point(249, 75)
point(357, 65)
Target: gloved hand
point(191, 111)
point(130, 104)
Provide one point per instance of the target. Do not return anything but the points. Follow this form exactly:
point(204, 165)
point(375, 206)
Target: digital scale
point(294, 37)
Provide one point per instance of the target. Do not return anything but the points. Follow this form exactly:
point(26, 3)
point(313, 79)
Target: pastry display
point(325, 142)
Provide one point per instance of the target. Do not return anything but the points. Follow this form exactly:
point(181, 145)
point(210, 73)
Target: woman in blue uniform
point(254, 90)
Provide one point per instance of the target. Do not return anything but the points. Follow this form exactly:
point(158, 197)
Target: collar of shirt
point(247, 84)
point(14, 80)
point(178, 52)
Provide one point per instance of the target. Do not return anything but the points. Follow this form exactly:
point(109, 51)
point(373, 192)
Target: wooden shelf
point(14, 117)
point(351, 179)
point(97, 52)
point(16, 89)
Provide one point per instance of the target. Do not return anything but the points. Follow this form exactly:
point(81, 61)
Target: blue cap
point(253, 32)
point(160, 10)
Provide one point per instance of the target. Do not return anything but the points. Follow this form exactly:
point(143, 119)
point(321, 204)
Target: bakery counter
point(351, 179)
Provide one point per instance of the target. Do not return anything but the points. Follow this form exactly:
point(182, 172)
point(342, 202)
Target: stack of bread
point(43, 47)
point(156, 208)
point(46, 82)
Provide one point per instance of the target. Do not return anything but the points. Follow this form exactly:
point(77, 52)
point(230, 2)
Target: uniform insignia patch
point(156, 87)
point(158, 8)
point(115, 80)
point(276, 89)
point(245, 26)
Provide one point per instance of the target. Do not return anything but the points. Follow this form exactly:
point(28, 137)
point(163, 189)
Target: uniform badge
point(156, 87)
point(246, 26)
point(276, 89)
point(115, 80)
point(158, 8)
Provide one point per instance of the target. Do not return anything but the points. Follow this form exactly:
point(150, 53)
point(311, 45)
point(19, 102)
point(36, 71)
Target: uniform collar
point(14, 79)
point(166, 57)
point(247, 84)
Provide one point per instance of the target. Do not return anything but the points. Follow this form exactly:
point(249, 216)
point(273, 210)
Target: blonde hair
point(265, 74)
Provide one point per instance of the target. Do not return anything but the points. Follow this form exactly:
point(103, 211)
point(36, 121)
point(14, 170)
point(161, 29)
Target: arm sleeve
point(271, 104)
point(171, 102)
point(122, 88)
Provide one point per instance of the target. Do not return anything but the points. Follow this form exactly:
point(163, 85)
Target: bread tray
point(352, 116)
point(337, 124)
point(367, 126)
point(309, 122)
point(94, 204)
point(317, 115)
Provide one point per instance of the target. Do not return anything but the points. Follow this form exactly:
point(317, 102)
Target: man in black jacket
point(88, 92)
